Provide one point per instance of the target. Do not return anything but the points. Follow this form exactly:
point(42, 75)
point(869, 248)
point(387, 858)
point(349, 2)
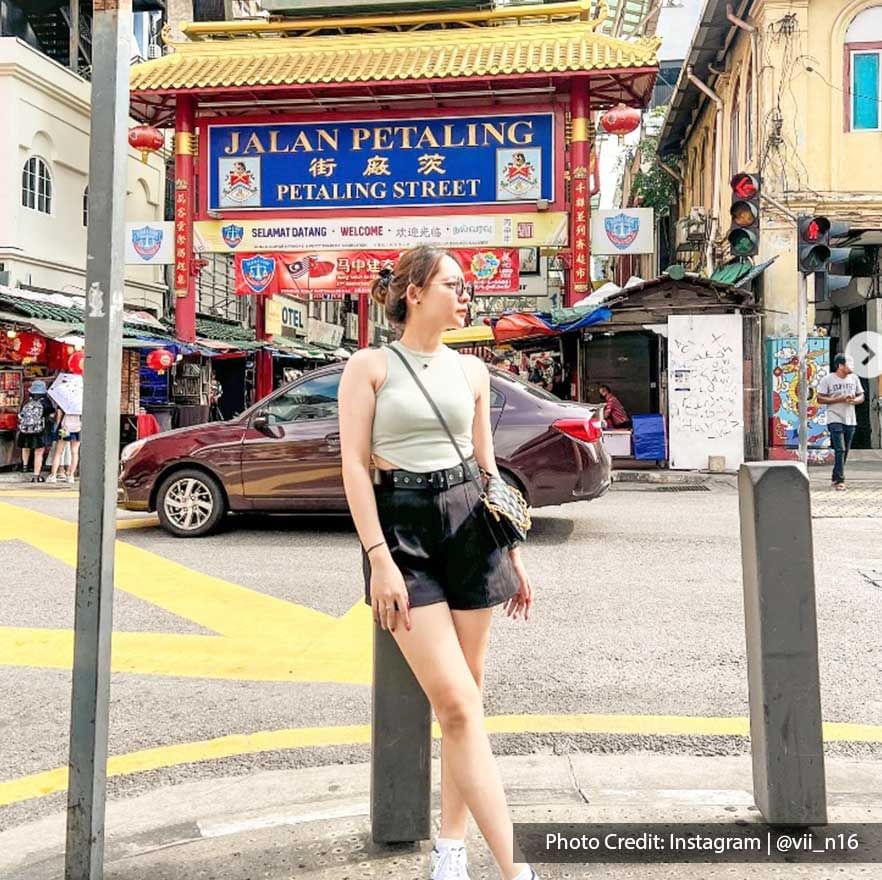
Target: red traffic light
point(745, 186)
point(814, 229)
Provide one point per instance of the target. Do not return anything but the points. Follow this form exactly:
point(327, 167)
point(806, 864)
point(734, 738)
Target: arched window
point(863, 69)
point(36, 185)
point(86, 206)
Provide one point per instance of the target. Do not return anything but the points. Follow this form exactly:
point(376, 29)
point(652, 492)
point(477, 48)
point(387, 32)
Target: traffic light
point(815, 253)
point(745, 212)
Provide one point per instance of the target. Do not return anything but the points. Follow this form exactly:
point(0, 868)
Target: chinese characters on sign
point(341, 273)
point(450, 160)
point(580, 230)
point(183, 237)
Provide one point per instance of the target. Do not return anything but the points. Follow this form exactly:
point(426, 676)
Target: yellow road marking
point(53, 781)
point(259, 637)
point(39, 493)
point(141, 522)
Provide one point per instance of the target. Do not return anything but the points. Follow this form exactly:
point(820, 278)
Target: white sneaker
point(51, 479)
point(70, 478)
point(449, 864)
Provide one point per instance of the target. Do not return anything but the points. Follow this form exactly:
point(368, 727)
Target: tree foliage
point(653, 187)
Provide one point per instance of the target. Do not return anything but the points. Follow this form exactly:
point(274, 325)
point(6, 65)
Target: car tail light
point(586, 430)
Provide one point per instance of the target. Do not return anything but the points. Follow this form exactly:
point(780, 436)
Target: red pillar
point(185, 280)
point(263, 360)
point(580, 193)
point(364, 303)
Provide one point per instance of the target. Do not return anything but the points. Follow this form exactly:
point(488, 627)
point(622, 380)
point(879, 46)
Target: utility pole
point(105, 285)
point(802, 389)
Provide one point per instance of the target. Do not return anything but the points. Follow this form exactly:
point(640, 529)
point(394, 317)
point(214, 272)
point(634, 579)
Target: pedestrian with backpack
point(34, 424)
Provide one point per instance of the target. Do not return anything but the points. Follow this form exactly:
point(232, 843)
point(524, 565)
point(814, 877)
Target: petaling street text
point(378, 190)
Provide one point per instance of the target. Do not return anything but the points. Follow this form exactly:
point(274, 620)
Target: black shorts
point(439, 541)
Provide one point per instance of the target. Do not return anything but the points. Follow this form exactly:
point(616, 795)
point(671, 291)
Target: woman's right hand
point(388, 592)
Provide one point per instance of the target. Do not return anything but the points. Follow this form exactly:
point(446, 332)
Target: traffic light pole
point(802, 334)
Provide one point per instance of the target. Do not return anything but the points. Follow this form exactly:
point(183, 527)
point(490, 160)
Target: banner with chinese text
point(342, 273)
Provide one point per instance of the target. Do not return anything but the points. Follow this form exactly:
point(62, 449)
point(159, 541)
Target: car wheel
point(190, 503)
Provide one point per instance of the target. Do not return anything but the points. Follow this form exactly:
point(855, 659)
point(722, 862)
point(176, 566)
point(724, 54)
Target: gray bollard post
point(777, 559)
point(401, 748)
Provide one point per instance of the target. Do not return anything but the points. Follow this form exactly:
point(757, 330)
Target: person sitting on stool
point(613, 412)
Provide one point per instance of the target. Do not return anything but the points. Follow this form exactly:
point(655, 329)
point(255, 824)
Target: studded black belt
point(432, 480)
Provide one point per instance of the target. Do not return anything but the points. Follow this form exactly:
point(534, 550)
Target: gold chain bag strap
point(509, 509)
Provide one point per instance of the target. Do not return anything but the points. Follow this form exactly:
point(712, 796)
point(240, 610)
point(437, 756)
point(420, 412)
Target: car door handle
point(333, 441)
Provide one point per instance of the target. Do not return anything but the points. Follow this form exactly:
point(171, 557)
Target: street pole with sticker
point(99, 462)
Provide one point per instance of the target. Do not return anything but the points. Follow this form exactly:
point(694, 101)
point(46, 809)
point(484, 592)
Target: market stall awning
point(236, 62)
point(468, 335)
point(525, 325)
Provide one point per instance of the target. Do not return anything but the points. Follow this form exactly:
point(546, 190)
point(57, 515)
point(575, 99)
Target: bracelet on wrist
point(374, 547)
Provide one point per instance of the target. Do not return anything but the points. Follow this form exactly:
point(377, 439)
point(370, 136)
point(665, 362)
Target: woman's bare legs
point(74, 457)
point(58, 455)
point(432, 650)
point(38, 461)
point(473, 632)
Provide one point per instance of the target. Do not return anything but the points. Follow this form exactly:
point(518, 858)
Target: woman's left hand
point(522, 601)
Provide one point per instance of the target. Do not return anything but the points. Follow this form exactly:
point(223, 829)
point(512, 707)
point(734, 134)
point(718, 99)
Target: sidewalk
point(313, 823)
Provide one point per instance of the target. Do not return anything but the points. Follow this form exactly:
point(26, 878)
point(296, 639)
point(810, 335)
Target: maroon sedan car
point(283, 454)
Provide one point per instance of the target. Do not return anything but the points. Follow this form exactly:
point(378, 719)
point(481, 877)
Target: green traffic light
point(815, 259)
point(743, 242)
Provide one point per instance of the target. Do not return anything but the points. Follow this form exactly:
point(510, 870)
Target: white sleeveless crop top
point(406, 431)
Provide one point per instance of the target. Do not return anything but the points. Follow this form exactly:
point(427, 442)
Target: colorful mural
point(782, 380)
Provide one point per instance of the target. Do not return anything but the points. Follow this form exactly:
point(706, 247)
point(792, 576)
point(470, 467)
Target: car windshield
point(529, 387)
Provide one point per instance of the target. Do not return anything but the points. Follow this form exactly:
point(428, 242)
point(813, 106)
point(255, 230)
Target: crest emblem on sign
point(519, 176)
point(232, 234)
point(258, 272)
point(240, 184)
point(147, 241)
point(622, 230)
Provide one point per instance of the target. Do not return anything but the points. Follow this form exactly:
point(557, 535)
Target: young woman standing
point(433, 572)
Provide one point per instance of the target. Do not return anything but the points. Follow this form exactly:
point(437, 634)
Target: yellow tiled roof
point(560, 47)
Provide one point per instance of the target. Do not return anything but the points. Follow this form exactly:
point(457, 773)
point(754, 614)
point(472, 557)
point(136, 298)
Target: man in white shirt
point(841, 391)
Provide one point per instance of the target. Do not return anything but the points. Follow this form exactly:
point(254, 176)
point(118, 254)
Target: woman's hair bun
point(380, 287)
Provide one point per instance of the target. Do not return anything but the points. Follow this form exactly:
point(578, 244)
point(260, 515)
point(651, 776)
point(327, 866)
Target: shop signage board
point(285, 317)
point(324, 333)
point(150, 244)
point(381, 163)
point(623, 231)
point(706, 390)
point(542, 229)
point(491, 270)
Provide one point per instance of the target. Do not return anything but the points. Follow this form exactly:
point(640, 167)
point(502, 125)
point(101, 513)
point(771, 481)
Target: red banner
point(342, 273)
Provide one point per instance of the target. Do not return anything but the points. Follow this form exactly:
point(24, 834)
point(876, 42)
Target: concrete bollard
point(401, 748)
point(777, 559)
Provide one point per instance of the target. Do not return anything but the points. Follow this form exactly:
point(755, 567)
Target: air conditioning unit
point(154, 50)
point(692, 228)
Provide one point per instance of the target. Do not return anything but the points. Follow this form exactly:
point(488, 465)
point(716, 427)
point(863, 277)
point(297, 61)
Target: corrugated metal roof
point(374, 57)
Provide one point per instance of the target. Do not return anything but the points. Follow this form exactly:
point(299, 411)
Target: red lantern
point(76, 362)
point(160, 360)
point(620, 120)
point(147, 139)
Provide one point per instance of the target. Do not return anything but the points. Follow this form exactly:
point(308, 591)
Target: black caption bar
point(696, 843)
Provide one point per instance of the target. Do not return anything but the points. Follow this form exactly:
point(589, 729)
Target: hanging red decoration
point(160, 359)
point(147, 139)
point(620, 120)
point(76, 362)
